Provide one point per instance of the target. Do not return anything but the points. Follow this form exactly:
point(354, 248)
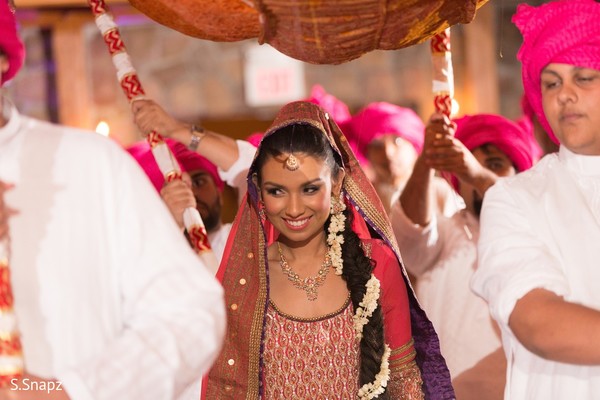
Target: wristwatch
point(197, 132)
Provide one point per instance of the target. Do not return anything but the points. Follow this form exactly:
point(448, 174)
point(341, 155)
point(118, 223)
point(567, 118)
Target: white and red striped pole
point(443, 75)
point(132, 87)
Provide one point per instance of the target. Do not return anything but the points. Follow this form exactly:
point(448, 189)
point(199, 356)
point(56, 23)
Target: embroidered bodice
point(311, 358)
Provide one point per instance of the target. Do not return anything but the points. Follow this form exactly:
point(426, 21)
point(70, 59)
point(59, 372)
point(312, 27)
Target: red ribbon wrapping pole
point(443, 76)
point(132, 87)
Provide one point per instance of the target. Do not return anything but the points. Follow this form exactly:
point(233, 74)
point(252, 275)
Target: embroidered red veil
point(237, 373)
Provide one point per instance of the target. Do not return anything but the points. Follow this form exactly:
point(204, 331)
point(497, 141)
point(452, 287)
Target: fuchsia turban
point(476, 130)
point(337, 109)
point(255, 138)
point(188, 161)
point(508, 136)
point(378, 119)
point(10, 43)
point(564, 31)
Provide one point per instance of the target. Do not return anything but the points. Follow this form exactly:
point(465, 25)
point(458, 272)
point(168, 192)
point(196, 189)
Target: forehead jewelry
point(292, 162)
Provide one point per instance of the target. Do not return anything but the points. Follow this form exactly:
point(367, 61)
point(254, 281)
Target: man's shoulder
point(73, 140)
point(528, 183)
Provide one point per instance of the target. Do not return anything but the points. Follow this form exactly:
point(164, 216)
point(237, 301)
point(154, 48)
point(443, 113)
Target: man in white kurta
point(539, 265)
point(110, 300)
point(541, 229)
point(438, 228)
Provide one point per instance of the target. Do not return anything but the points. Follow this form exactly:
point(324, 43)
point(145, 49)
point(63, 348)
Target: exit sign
point(272, 78)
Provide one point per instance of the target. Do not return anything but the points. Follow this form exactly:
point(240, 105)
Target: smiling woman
point(319, 302)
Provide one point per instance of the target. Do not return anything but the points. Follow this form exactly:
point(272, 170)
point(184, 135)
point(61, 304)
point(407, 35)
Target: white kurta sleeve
point(172, 309)
point(512, 259)
point(236, 175)
point(419, 245)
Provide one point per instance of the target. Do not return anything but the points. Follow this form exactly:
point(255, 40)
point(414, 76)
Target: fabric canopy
point(324, 32)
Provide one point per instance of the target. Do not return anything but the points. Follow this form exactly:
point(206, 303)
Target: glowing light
point(455, 108)
point(102, 128)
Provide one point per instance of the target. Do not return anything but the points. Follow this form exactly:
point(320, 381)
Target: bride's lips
point(296, 224)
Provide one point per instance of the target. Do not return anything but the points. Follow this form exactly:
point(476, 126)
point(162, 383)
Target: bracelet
point(197, 132)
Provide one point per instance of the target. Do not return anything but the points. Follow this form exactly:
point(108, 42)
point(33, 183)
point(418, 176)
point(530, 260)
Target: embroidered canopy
point(314, 31)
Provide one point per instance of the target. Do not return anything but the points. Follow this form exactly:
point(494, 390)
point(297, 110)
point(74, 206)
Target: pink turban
point(564, 31)
point(339, 112)
point(10, 43)
point(476, 130)
point(337, 109)
point(378, 119)
point(255, 138)
point(188, 161)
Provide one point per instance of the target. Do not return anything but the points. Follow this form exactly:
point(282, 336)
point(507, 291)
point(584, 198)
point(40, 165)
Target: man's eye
point(585, 79)
point(199, 182)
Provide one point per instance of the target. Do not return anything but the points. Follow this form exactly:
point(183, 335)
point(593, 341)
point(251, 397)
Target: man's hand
point(31, 387)
point(149, 116)
point(178, 196)
point(443, 152)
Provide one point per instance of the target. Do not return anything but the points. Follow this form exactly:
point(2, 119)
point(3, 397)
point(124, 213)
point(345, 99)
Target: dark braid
point(357, 271)
point(357, 266)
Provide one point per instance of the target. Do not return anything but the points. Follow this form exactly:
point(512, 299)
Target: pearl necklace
point(310, 283)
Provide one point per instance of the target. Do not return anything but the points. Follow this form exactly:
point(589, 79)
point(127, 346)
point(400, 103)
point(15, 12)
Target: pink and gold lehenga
point(270, 355)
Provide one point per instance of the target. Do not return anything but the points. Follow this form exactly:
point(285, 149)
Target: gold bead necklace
point(310, 283)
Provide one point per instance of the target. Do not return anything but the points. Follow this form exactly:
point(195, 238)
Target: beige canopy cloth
point(314, 31)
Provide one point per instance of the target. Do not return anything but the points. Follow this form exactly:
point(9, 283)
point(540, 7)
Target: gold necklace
point(310, 283)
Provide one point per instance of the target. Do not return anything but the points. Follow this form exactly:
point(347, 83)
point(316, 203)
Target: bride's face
point(297, 202)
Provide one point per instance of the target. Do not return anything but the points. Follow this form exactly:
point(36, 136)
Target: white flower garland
point(374, 389)
point(335, 240)
point(367, 306)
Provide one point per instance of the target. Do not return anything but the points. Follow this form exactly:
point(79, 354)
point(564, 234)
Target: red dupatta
point(237, 372)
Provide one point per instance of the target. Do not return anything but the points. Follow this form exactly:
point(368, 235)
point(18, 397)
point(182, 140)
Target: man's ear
point(4, 65)
point(338, 182)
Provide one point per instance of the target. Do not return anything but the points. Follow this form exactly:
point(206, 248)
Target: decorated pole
point(132, 87)
point(443, 76)
point(11, 352)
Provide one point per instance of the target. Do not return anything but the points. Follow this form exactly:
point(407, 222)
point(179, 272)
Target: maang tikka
point(292, 162)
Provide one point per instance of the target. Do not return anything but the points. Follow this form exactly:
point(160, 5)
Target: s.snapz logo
point(39, 386)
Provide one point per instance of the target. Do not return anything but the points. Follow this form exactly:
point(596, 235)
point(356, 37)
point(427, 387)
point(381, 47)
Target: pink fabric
point(255, 138)
point(337, 109)
point(377, 119)
point(188, 161)
point(10, 43)
point(476, 130)
point(564, 31)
